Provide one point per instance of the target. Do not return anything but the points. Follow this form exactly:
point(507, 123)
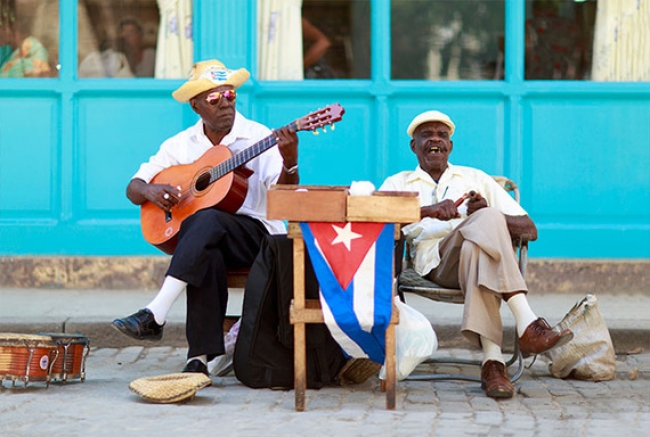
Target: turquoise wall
point(580, 151)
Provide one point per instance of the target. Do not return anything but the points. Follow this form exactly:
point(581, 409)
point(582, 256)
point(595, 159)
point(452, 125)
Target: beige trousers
point(478, 258)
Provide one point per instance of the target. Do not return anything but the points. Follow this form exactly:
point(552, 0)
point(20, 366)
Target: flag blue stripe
point(384, 276)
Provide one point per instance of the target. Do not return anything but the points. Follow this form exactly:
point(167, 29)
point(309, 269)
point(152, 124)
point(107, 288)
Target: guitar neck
point(246, 155)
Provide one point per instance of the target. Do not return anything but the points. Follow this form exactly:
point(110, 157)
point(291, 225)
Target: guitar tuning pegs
point(332, 126)
point(315, 132)
point(324, 130)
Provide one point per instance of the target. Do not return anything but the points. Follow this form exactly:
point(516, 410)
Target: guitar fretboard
point(246, 155)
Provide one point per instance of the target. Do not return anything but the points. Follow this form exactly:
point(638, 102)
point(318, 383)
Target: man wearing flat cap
point(210, 241)
point(468, 245)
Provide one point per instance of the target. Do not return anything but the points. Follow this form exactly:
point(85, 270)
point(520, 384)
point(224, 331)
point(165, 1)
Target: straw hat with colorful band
point(206, 75)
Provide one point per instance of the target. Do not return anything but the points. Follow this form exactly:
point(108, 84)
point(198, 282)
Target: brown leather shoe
point(495, 381)
point(540, 337)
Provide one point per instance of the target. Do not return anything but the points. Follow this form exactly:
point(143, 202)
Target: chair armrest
point(523, 257)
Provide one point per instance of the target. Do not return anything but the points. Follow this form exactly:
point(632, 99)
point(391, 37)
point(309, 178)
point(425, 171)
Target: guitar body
point(218, 179)
point(160, 228)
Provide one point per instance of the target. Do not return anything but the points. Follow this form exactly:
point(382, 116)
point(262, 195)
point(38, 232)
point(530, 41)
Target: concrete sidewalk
point(90, 313)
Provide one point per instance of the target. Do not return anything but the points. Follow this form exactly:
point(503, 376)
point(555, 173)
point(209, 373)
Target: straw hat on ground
point(206, 75)
point(166, 389)
point(357, 371)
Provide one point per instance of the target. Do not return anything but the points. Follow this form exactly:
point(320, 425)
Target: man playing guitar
point(211, 240)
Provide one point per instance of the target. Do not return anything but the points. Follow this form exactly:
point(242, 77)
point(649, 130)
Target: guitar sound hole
point(202, 182)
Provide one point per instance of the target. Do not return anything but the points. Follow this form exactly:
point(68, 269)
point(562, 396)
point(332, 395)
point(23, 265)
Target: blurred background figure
point(21, 55)
point(555, 48)
point(316, 45)
point(105, 62)
point(142, 59)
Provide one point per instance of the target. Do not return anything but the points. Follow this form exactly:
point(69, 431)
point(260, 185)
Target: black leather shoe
point(141, 326)
point(196, 366)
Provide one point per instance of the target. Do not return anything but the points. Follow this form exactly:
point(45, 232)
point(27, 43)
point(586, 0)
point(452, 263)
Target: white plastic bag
point(415, 341)
point(590, 355)
point(222, 365)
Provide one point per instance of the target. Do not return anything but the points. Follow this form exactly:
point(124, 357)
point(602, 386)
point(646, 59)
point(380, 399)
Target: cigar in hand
point(471, 195)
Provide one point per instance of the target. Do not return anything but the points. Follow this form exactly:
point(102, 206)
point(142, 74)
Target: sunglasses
point(215, 97)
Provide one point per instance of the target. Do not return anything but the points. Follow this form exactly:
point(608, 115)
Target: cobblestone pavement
point(543, 406)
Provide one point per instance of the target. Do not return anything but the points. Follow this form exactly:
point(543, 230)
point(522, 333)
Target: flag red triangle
point(345, 262)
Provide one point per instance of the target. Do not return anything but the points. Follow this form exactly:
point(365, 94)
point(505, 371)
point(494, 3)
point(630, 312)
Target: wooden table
point(300, 203)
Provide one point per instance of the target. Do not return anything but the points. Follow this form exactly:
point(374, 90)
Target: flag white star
point(345, 235)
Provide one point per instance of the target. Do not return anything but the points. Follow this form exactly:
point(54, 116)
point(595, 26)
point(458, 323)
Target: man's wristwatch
point(291, 170)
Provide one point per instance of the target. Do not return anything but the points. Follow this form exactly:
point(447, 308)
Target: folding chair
point(237, 278)
point(410, 281)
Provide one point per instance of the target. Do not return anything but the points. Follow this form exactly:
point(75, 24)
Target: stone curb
point(146, 273)
point(101, 334)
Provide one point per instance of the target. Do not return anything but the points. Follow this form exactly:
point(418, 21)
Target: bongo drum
point(25, 357)
point(73, 350)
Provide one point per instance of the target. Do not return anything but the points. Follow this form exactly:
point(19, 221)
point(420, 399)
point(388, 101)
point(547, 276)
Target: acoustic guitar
point(218, 179)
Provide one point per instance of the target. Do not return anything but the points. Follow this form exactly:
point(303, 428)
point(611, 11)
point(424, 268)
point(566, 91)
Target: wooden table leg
point(300, 374)
point(299, 349)
point(391, 382)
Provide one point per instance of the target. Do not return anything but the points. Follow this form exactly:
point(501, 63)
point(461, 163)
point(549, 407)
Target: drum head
point(65, 338)
point(28, 340)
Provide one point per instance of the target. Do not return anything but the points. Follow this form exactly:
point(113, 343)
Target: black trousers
point(209, 243)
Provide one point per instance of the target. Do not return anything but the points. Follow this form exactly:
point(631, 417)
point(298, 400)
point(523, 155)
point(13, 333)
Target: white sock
point(524, 316)
point(201, 358)
point(162, 303)
point(491, 351)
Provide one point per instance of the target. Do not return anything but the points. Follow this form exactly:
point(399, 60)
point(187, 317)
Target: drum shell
point(27, 357)
point(71, 362)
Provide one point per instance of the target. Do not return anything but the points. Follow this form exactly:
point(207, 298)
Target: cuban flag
point(353, 263)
